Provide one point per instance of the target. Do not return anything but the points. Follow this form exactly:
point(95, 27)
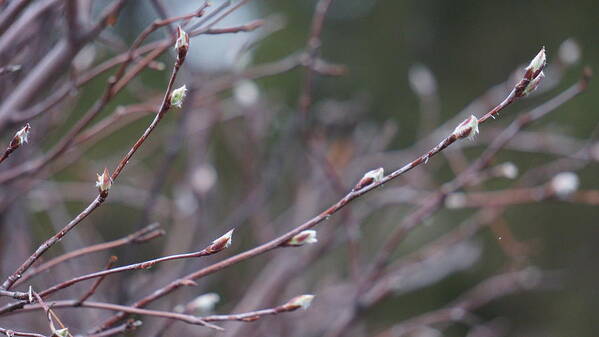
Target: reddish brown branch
point(97, 282)
point(9, 332)
point(165, 106)
point(116, 307)
point(145, 234)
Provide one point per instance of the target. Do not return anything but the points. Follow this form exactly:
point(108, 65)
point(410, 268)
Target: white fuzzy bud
point(533, 76)
point(468, 128)
point(182, 44)
point(564, 184)
point(221, 243)
point(371, 177)
point(569, 52)
point(421, 80)
point(22, 136)
point(302, 238)
point(455, 200)
point(534, 83)
point(104, 181)
point(508, 170)
point(178, 95)
point(204, 304)
point(538, 62)
point(302, 301)
point(61, 332)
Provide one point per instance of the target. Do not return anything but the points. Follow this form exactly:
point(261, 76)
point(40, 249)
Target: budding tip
point(182, 43)
point(301, 301)
point(104, 181)
point(371, 177)
point(467, 128)
point(221, 243)
point(22, 136)
point(304, 237)
point(178, 95)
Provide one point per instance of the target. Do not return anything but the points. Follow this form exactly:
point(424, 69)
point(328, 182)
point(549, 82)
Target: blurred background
point(242, 153)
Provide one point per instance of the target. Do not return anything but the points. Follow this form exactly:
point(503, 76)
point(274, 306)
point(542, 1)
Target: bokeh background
point(411, 65)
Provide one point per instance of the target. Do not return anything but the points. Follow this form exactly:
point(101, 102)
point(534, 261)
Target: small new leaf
point(104, 181)
point(178, 95)
point(302, 301)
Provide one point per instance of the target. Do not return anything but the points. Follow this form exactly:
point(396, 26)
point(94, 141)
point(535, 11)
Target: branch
point(490, 289)
point(165, 106)
point(96, 283)
point(218, 245)
point(116, 307)
point(143, 235)
point(459, 133)
point(9, 333)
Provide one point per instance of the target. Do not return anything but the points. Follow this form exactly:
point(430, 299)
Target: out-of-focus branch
point(490, 289)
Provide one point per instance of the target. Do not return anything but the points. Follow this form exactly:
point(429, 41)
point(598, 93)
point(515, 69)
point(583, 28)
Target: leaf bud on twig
point(533, 75)
point(178, 95)
point(300, 239)
point(182, 44)
point(302, 301)
point(21, 137)
point(104, 182)
point(467, 128)
point(369, 178)
point(220, 243)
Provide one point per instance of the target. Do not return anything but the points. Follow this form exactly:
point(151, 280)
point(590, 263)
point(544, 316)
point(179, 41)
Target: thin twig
point(165, 106)
point(143, 235)
point(116, 307)
point(99, 280)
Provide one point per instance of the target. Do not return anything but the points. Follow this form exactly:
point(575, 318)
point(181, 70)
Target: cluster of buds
point(177, 96)
point(371, 177)
point(533, 75)
point(220, 243)
point(467, 128)
point(182, 44)
point(302, 238)
point(104, 182)
point(302, 301)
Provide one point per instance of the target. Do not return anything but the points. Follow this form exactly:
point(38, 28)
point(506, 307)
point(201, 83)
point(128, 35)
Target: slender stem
point(102, 196)
point(136, 266)
point(99, 280)
point(50, 242)
point(143, 235)
point(9, 332)
point(116, 307)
